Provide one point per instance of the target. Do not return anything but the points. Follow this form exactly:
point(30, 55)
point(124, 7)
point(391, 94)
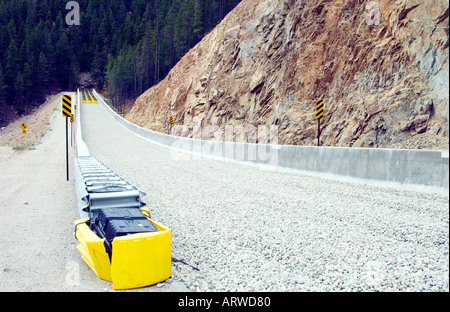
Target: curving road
point(240, 228)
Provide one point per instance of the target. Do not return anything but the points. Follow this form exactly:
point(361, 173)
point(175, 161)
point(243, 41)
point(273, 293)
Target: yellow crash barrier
point(137, 260)
point(92, 98)
point(87, 96)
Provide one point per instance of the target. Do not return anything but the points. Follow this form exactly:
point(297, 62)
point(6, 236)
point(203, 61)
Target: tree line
point(125, 45)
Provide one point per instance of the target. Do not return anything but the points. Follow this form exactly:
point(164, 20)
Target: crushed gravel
point(241, 228)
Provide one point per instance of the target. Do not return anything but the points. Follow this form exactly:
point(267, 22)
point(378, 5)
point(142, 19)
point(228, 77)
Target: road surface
point(240, 228)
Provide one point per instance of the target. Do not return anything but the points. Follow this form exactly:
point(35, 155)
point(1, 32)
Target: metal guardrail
point(140, 247)
point(100, 187)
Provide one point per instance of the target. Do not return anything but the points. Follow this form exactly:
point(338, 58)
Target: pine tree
point(221, 9)
point(12, 29)
point(169, 35)
point(4, 42)
point(12, 67)
point(146, 59)
point(181, 32)
point(41, 77)
point(27, 84)
point(198, 18)
point(3, 87)
point(20, 105)
point(63, 61)
point(6, 110)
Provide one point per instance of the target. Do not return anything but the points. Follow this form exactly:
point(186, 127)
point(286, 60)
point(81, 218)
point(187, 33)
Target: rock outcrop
point(381, 68)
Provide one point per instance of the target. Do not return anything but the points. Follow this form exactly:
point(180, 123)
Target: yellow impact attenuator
point(84, 96)
point(92, 98)
point(88, 96)
point(137, 260)
point(92, 250)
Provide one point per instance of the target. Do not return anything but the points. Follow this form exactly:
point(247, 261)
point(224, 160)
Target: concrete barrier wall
point(412, 167)
point(82, 149)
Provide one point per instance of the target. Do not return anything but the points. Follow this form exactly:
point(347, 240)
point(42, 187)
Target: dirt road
point(37, 209)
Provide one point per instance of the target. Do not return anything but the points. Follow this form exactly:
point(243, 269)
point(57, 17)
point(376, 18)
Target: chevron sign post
point(319, 117)
point(67, 113)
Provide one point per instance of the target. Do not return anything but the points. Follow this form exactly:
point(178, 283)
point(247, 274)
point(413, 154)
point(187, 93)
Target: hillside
point(383, 74)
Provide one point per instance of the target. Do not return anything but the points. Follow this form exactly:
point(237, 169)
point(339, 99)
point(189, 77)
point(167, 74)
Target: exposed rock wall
point(381, 68)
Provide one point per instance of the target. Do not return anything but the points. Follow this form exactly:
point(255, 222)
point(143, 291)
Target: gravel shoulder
point(37, 207)
point(246, 229)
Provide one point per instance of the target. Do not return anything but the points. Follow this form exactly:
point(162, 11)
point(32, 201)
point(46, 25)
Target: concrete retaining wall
point(411, 167)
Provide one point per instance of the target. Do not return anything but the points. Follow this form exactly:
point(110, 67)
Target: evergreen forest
point(123, 46)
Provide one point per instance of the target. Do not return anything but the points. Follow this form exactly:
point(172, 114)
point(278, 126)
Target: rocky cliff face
point(381, 68)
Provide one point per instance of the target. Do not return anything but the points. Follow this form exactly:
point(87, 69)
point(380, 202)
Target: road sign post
point(170, 124)
point(67, 150)
point(24, 131)
point(319, 117)
point(71, 130)
point(67, 113)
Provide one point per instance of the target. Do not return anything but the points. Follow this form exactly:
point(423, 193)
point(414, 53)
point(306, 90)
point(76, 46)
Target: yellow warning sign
point(319, 109)
point(67, 105)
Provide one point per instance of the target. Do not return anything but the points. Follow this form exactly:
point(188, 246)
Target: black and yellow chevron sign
point(171, 120)
point(71, 118)
point(319, 109)
point(66, 105)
